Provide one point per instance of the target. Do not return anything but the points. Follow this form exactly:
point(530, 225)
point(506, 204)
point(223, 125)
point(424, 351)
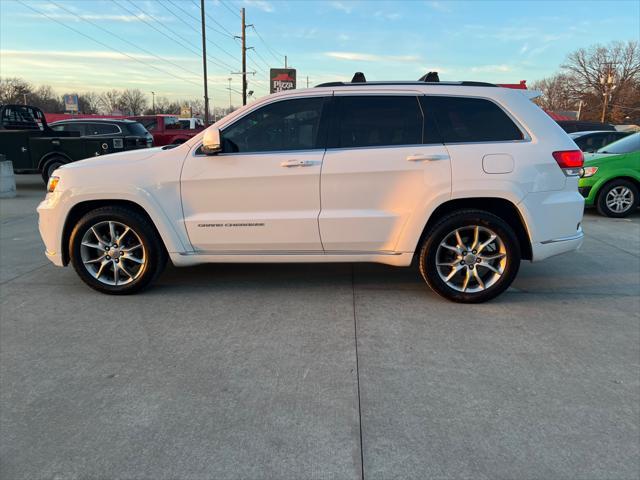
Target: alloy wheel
point(619, 199)
point(471, 258)
point(113, 253)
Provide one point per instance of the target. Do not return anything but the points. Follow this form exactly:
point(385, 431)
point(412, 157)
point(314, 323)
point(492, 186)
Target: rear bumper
point(556, 246)
point(554, 221)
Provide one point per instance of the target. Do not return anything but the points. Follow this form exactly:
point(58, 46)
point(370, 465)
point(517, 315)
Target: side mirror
point(211, 143)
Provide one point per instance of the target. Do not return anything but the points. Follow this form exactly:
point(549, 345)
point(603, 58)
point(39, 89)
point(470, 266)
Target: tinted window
point(72, 127)
point(137, 129)
point(625, 145)
point(471, 120)
point(369, 121)
point(285, 125)
point(150, 125)
point(102, 129)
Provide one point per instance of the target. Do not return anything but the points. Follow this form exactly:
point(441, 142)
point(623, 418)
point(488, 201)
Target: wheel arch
point(47, 156)
point(500, 207)
point(81, 208)
point(606, 182)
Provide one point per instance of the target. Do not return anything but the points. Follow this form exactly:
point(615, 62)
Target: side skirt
point(392, 258)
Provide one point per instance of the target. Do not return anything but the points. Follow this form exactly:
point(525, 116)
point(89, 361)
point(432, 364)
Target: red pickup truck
point(166, 129)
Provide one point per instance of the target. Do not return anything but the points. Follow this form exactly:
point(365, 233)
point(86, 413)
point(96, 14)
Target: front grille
point(584, 191)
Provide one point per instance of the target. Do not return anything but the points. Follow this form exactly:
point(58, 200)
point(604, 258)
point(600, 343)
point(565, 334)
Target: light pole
point(153, 102)
point(607, 82)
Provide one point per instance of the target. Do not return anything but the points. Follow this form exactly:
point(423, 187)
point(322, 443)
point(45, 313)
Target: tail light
point(570, 161)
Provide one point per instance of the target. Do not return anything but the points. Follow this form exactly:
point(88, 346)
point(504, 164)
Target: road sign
point(282, 79)
point(71, 103)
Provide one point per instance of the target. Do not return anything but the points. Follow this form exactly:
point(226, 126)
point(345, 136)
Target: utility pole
point(285, 61)
point(307, 81)
point(153, 102)
point(230, 107)
point(204, 64)
point(607, 81)
point(244, 60)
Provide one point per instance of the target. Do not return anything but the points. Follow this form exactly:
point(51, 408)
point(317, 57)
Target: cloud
point(260, 4)
point(89, 54)
point(341, 6)
point(388, 16)
point(439, 6)
point(524, 48)
point(100, 17)
point(343, 37)
point(491, 68)
point(368, 57)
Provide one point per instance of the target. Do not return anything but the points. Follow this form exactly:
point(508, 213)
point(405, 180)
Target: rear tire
point(618, 198)
point(50, 166)
point(470, 256)
point(116, 250)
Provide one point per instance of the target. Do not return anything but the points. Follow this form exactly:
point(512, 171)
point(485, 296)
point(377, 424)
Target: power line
point(276, 55)
point(107, 46)
point(214, 20)
point(196, 50)
point(123, 39)
point(229, 8)
point(191, 27)
point(261, 58)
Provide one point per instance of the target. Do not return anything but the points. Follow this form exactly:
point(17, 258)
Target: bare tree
point(588, 69)
point(110, 101)
point(12, 90)
point(89, 102)
point(557, 93)
point(133, 101)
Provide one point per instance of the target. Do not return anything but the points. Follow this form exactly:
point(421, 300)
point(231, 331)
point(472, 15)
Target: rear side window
point(370, 121)
point(462, 120)
point(137, 129)
point(72, 127)
point(102, 129)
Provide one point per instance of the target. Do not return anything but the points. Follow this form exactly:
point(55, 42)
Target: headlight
point(589, 172)
point(52, 184)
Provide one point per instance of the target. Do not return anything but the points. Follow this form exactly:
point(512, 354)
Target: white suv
point(466, 178)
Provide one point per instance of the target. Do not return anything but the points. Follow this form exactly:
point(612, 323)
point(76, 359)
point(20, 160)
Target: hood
point(128, 156)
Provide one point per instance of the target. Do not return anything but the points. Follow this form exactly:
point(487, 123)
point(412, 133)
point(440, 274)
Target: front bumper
point(50, 223)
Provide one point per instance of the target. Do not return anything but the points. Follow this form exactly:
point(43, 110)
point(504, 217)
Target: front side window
point(172, 123)
point(463, 119)
point(75, 127)
point(371, 121)
point(285, 125)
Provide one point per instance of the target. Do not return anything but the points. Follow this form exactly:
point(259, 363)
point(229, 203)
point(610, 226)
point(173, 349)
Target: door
point(261, 193)
point(384, 163)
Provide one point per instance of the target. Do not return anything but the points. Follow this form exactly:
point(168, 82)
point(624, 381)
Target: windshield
point(624, 145)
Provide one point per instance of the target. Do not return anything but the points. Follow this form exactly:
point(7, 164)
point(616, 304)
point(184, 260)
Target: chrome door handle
point(418, 157)
point(297, 163)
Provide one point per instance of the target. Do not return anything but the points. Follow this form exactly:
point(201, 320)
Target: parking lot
point(319, 371)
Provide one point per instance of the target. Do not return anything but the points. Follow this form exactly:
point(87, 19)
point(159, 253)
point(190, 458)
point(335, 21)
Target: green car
point(611, 178)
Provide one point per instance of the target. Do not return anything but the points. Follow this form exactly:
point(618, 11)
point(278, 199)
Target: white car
point(468, 178)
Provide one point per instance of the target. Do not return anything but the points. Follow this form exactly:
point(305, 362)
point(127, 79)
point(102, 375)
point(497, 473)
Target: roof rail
point(383, 83)
point(431, 78)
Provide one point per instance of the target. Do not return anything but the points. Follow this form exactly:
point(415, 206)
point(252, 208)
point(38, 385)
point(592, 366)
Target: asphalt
point(319, 371)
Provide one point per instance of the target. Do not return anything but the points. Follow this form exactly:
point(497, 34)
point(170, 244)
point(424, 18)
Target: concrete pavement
point(319, 371)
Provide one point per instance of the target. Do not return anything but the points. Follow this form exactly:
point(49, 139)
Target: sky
point(155, 45)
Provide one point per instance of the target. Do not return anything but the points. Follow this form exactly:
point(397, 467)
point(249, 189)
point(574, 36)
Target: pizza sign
point(282, 79)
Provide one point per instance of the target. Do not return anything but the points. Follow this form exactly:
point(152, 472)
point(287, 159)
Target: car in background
point(571, 126)
point(125, 134)
point(166, 129)
point(611, 177)
point(34, 147)
point(590, 141)
point(191, 123)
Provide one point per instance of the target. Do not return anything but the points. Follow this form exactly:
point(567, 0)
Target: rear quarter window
point(463, 120)
point(137, 129)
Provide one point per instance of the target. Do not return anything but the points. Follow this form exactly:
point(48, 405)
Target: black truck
point(32, 146)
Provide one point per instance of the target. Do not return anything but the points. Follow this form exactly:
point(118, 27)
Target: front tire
point(618, 198)
point(116, 250)
point(470, 256)
point(50, 166)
